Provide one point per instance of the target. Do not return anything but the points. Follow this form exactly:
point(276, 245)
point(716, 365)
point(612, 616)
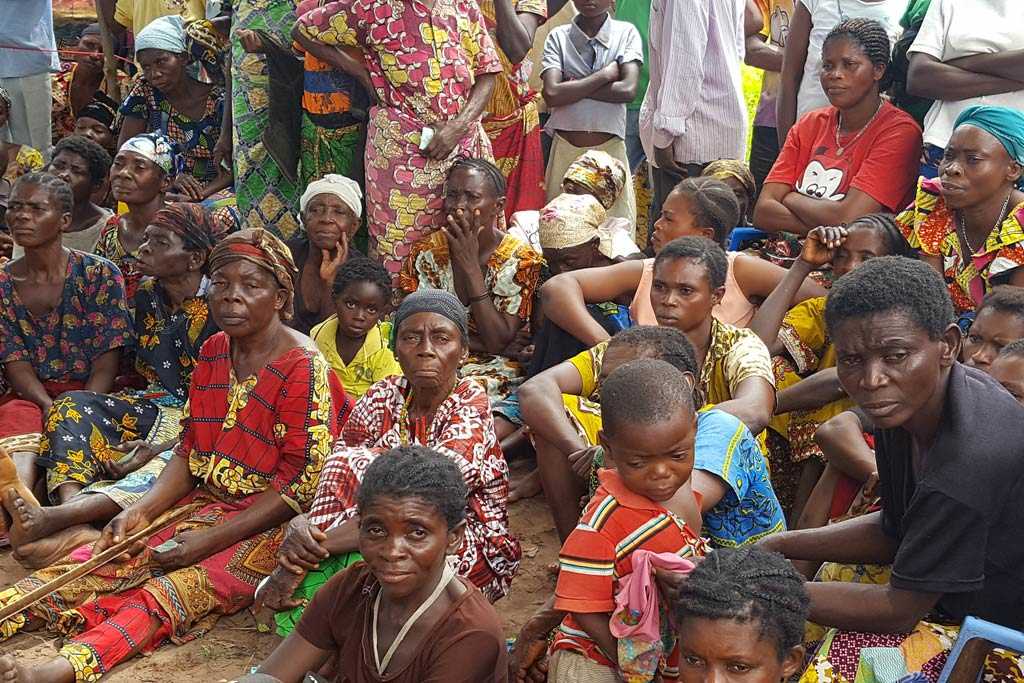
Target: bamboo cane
point(93, 563)
point(110, 81)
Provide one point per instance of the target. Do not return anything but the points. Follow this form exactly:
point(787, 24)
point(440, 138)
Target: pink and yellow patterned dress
point(423, 62)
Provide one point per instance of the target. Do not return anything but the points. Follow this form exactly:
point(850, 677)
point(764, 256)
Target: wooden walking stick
point(111, 84)
point(95, 562)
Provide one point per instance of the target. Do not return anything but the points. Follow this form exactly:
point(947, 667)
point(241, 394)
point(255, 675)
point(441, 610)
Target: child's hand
point(821, 244)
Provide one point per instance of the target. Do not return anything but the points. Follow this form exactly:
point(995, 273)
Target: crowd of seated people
point(293, 283)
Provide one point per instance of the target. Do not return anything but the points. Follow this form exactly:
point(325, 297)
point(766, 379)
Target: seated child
point(412, 505)
point(1008, 369)
point(740, 616)
point(354, 340)
point(648, 434)
point(999, 320)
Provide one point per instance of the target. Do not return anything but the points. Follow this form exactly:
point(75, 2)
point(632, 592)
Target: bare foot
point(57, 670)
point(526, 486)
point(46, 551)
point(30, 522)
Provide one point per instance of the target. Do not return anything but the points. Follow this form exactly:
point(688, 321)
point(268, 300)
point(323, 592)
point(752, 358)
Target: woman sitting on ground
point(84, 166)
point(951, 518)
point(166, 100)
point(117, 444)
point(969, 223)
point(702, 207)
point(603, 177)
point(456, 634)
point(858, 156)
point(735, 370)
point(96, 122)
point(264, 409)
point(491, 272)
point(330, 209)
point(808, 388)
point(429, 406)
point(63, 319)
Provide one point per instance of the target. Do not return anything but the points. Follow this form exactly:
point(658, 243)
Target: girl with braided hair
point(859, 155)
point(740, 615)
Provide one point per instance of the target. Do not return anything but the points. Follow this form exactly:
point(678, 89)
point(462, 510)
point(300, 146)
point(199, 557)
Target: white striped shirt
point(695, 98)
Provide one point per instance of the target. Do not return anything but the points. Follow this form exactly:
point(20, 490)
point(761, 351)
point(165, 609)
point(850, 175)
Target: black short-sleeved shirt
point(960, 527)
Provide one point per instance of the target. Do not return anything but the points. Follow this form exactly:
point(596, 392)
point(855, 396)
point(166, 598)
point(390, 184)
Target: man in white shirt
point(694, 112)
point(966, 53)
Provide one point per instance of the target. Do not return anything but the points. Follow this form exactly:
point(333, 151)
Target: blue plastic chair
point(978, 633)
point(740, 236)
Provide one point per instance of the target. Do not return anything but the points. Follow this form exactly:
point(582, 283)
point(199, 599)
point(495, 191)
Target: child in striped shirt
point(648, 437)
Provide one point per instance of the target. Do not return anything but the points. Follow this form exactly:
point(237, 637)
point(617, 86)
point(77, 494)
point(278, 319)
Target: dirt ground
point(235, 644)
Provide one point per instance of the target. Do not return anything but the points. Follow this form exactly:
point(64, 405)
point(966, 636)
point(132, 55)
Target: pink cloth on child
point(636, 613)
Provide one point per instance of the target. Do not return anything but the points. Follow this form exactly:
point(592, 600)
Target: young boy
point(590, 69)
point(999, 321)
point(740, 616)
point(648, 437)
point(1008, 369)
point(354, 340)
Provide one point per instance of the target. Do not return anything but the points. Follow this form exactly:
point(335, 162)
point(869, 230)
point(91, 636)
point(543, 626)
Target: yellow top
point(373, 362)
point(135, 15)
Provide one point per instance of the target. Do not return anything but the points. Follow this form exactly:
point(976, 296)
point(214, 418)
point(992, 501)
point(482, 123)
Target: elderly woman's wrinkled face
point(164, 70)
point(471, 190)
point(134, 179)
point(162, 254)
point(975, 168)
point(404, 541)
point(430, 349)
point(326, 218)
point(244, 298)
point(34, 217)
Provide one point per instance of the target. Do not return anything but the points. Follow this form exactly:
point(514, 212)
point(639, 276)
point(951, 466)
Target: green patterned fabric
point(286, 621)
point(266, 197)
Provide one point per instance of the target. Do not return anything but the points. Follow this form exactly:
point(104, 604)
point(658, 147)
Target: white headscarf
point(345, 189)
point(164, 33)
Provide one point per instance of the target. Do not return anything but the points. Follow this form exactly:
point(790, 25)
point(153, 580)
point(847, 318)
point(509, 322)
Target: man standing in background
point(28, 55)
point(764, 51)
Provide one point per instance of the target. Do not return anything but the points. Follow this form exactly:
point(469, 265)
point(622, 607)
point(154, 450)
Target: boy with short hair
point(1008, 369)
point(648, 434)
point(354, 340)
point(591, 69)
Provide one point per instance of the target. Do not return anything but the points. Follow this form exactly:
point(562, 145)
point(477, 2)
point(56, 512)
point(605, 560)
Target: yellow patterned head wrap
point(601, 173)
point(263, 248)
point(570, 220)
point(731, 168)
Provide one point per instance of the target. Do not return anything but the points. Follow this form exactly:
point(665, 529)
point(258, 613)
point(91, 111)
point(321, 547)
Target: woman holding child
point(429, 406)
point(263, 412)
point(117, 444)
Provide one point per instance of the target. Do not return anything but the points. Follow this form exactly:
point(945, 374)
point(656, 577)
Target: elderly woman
point(264, 409)
point(433, 69)
point(967, 224)
point(331, 208)
point(492, 273)
point(950, 521)
point(117, 444)
point(597, 174)
point(429, 406)
point(63, 319)
point(168, 101)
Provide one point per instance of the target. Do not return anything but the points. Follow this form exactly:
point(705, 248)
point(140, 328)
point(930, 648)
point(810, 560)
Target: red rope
point(25, 48)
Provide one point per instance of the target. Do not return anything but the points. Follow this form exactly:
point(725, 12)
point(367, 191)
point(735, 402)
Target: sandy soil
point(235, 644)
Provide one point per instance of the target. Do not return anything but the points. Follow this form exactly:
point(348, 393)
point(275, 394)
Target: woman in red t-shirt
point(856, 157)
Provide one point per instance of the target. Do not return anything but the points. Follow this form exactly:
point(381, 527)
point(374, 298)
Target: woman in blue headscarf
point(969, 222)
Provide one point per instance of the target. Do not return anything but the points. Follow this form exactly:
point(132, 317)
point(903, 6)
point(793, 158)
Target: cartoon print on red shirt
point(821, 183)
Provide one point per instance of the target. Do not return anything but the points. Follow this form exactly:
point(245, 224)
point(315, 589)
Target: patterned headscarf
point(163, 33)
point(601, 173)
point(205, 45)
point(731, 168)
point(102, 108)
point(158, 149)
point(1004, 124)
point(191, 222)
point(262, 248)
point(570, 220)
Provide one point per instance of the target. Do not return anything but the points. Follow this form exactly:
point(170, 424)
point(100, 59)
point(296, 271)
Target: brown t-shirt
point(465, 646)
